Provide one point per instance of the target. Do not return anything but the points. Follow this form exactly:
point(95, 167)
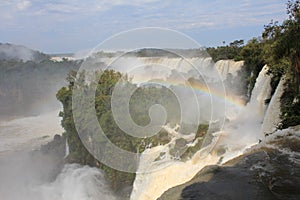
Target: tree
point(252, 54)
point(284, 43)
point(140, 102)
point(282, 54)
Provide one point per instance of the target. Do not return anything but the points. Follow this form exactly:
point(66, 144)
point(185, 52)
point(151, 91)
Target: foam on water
point(241, 133)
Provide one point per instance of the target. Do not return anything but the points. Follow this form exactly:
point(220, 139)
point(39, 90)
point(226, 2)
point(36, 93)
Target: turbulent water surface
point(28, 173)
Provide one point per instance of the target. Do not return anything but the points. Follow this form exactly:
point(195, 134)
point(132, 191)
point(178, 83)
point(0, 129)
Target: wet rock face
point(280, 173)
point(236, 182)
point(52, 156)
point(263, 175)
point(57, 147)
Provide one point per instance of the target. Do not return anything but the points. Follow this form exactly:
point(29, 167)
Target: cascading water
point(272, 117)
point(236, 136)
point(28, 175)
point(67, 149)
point(242, 131)
point(226, 67)
point(77, 182)
point(261, 92)
point(29, 132)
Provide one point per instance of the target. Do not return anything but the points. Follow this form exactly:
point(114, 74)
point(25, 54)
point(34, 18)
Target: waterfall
point(239, 134)
point(226, 67)
point(161, 67)
point(167, 172)
point(29, 132)
point(272, 116)
point(33, 171)
point(67, 148)
point(77, 182)
point(261, 92)
point(156, 172)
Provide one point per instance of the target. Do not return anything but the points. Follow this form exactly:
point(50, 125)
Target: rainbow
point(221, 94)
point(204, 89)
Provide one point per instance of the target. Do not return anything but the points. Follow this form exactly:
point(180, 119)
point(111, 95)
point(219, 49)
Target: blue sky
point(56, 26)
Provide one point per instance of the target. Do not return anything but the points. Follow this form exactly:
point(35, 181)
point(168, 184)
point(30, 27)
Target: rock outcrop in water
point(55, 147)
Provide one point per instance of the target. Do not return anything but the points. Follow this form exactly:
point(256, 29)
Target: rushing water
point(29, 132)
point(30, 178)
point(30, 175)
point(235, 137)
point(243, 130)
point(67, 149)
point(272, 117)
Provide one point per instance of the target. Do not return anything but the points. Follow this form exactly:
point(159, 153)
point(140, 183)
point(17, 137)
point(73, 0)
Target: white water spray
point(226, 67)
point(261, 92)
point(29, 132)
point(272, 117)
point(236, 136)
point(27, 175)
point(67, 148)
point(77, 182)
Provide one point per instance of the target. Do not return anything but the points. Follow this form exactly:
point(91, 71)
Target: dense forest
point(278, 47)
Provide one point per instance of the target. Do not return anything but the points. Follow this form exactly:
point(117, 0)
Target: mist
point(20, 53)
point(204, 97)
point(35, 176)
point(32, 165)
point(195, 80)
point(29, 88)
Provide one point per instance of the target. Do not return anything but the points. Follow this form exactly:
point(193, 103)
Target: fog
point(20, 53)
point(33, 176)
point(31, 171)
point(197, 84)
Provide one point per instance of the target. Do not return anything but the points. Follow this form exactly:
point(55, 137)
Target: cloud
point(90, 6)
point(23, 4)
point(62, 21)
point(175, 13)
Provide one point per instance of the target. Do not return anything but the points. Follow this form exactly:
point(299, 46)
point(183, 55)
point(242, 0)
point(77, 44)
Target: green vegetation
point(251, 54)
point(279, 48)
point(78, 153)
point(282, 54)
point(231, 51)
point(154, 52)
point(139, 105)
